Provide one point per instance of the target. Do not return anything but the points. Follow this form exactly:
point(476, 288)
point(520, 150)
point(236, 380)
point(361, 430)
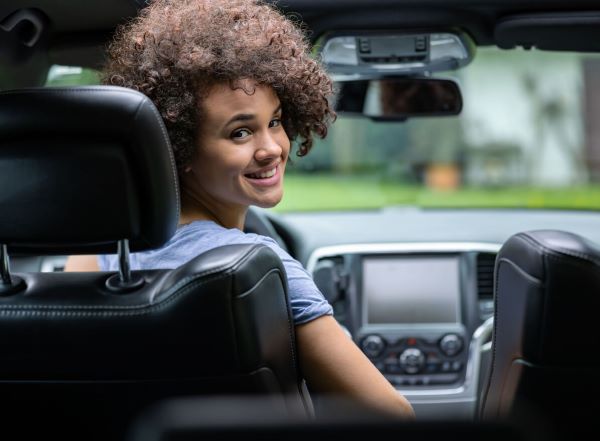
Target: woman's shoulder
point(219, 235)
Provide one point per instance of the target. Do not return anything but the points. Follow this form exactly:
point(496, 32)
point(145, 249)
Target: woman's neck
point(193, 208)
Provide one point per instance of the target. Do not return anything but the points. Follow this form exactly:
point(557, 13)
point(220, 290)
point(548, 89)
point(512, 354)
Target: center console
point(414, 310)
point(411, 325)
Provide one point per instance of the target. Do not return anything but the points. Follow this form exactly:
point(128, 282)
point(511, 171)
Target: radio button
point(412, 360)
point(393, 368)
point(451, 344)
point(373, 346)
point(432, 368)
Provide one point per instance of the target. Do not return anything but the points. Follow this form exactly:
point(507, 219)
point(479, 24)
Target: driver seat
point(89, 170)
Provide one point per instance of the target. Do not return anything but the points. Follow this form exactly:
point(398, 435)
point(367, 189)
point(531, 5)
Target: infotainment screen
point(411, 289)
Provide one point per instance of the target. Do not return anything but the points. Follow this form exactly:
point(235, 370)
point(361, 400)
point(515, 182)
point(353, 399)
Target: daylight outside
point(526, 138)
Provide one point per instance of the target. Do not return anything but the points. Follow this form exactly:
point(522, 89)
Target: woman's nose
point(268, 148)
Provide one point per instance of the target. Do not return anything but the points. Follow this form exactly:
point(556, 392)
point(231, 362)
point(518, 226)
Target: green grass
point(320, 192)
point(86, 77)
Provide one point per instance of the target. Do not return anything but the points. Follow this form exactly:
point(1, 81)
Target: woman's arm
point(82, 263)
point(333, 365)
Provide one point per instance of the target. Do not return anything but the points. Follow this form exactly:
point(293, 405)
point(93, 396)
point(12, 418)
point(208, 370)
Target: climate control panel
point(418, 360)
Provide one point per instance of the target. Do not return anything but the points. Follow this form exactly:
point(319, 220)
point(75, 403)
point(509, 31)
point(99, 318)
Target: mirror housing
point(363, 54)
point(396, 99)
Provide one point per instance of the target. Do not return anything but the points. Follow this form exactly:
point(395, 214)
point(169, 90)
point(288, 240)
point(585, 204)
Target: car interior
point(481, 313)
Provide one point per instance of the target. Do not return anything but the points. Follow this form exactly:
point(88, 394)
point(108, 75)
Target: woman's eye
point(275, 122)
point(240, 134)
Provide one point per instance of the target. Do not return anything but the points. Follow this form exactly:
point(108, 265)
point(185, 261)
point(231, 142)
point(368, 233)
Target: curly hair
point(175, 50)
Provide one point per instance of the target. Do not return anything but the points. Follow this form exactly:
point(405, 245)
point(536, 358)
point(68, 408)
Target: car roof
point(76, 32)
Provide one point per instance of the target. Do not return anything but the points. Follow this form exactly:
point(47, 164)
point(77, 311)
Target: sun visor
point(573, 31)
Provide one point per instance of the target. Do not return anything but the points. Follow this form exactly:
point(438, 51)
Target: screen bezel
point(411, 256)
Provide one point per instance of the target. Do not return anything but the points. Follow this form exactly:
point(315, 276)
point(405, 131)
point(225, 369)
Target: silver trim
point(390, 248)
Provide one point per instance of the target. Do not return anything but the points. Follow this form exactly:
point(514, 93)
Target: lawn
point(320, 192)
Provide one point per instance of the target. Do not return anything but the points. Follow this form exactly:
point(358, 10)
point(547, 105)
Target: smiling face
point(242, 150)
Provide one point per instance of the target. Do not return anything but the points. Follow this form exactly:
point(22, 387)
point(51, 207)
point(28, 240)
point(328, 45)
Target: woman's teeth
point(263, 175)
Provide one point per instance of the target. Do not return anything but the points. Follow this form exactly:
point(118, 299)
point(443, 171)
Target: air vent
point(485, 283)
point(485, 275)
point(328, 276)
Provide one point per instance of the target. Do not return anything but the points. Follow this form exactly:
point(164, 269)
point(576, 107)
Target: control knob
point(372, 345)
point(451, 344)
point(412, 360)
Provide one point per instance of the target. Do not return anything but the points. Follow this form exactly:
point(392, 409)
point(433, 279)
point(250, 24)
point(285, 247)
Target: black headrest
point(547, 284)
point(83, 167)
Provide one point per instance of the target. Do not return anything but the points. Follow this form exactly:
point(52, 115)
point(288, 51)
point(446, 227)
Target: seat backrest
point(256, 419)
point(80, 170)
point(546, 289)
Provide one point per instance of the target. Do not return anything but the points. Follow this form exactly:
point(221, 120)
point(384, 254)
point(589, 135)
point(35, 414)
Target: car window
point(71, 76)
point(525, 138)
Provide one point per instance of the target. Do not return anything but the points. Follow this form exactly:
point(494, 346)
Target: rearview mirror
point(399, 98)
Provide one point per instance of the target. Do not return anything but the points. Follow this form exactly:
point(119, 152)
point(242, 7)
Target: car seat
point(89, 170)
point(544, 367)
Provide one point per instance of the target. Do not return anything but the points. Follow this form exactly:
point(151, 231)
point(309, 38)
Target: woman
point(234, 83)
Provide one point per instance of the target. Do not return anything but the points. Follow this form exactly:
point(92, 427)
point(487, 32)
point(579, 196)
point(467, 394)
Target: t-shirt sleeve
point(307, 302)
point(103, 262)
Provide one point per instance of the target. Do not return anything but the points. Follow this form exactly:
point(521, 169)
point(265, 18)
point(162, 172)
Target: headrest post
point(124, 282)
point(8, 284)
point(124, 268)
point(5, 266)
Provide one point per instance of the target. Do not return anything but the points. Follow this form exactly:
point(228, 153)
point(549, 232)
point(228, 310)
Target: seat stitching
point(89, 310)
point(169, 292)
point(31, 312)
point(170, 152)
point(558, 250)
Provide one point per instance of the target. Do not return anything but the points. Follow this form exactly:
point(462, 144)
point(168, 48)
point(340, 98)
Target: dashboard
point(414, 289)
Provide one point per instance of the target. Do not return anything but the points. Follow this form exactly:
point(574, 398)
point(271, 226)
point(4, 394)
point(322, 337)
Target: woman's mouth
point(265, 178)
point(263, 175)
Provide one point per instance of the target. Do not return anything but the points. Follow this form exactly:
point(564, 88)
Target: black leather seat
point(544, 365)
point(82, 169)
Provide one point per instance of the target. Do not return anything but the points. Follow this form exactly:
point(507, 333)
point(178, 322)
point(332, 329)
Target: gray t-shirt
point(195, 238)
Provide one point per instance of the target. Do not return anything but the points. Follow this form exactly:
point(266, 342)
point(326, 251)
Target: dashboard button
point(412, 360)
point(451, 344)
point(393, 368)
point(444, 379)
point(372, 346)
point(431, 368)
point(396, 380)
point(412, 381)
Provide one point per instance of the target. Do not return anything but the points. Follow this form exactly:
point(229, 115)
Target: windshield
point(526, 138)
